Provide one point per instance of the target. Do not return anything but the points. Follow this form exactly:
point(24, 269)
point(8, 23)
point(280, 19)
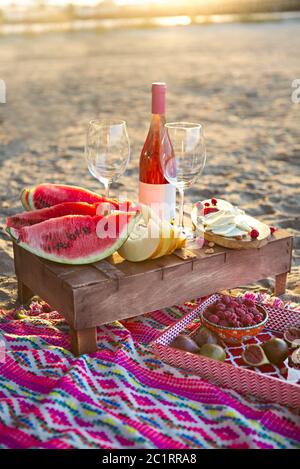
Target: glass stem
point(181, 206)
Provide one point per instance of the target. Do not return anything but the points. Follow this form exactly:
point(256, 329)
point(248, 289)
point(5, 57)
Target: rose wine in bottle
point(154, 189)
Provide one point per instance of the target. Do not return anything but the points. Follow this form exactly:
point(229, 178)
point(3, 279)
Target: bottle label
point(160, 197)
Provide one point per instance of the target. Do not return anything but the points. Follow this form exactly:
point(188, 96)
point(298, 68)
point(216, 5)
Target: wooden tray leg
point(24, 293)
point(83, 340)
point(280, 284)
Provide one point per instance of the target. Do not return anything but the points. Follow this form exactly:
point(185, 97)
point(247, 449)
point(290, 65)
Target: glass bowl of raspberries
point(235, 320)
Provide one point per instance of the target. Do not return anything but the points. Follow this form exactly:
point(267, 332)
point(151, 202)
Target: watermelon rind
point(30, 200)
point(80, 260)
point(24, 198)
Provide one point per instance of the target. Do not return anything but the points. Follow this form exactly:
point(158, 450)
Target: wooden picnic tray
point(114, 289)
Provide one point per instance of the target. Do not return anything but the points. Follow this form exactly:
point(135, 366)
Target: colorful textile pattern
point(121, 396)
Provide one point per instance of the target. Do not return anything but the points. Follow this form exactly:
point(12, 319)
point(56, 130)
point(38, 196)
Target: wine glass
point(183, 158)
point(107, 150)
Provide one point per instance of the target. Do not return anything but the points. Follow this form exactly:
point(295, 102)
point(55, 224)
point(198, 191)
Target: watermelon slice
point(76, 239)
point(47, 195)
point(37, 216)
point(24, 199)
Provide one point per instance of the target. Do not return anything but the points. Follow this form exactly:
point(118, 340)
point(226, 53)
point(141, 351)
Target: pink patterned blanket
point(122, 396)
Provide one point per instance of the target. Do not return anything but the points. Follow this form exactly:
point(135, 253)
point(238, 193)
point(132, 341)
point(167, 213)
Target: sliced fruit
point(47, 195)
point(174, 239)
point(254, 355)
point(141, 243)
point(24, 199)
point(179, 236)
point(37, 216)
point(167, 240)
point(76, 239)
point(292, 336)
point(295, 358)
point(276, 350)
point(151, 238)
point(213, 351)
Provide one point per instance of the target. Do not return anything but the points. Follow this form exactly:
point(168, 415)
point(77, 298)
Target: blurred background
point(229, 64)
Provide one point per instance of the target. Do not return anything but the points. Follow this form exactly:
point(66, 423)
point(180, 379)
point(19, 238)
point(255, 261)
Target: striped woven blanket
point(122, 396)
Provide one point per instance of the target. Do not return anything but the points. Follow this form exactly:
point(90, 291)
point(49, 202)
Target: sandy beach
point(234, 78)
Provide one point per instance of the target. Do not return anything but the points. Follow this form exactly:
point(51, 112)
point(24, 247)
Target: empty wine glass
point(107, 150)
point(183, 157)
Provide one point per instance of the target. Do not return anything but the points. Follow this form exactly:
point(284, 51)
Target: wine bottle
point(154, 189)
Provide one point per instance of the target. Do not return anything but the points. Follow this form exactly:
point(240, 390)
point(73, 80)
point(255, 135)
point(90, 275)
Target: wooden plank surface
point(113, 289)
point(33, 272)
point(151, 289)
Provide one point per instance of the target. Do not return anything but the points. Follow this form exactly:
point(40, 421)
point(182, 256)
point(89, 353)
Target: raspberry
point(223, 322)
point(233, 323)
point(249, 302)
point(208, 210)
point(272, 229)
point(258, 318)
point(207, 204)
point(213, 318)
point(239, 312)
point(214, 201)
point(221, 307)
point(226, 299)
point(254, 234)
point(245, 323)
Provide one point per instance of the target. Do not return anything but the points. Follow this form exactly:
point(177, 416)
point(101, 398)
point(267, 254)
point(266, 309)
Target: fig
point(276, 350)
point(205, 336)
point(213, 351)
point(292, 336)
point(186, 343)
point(254, 355)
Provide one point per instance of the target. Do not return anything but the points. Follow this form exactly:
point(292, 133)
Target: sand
point(235, 79)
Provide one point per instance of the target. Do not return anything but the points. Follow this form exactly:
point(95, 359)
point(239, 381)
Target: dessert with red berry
point(229, 226)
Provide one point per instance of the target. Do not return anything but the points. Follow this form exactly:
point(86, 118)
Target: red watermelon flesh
point(37, 216)
point(76, 239)
point(47, 195)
